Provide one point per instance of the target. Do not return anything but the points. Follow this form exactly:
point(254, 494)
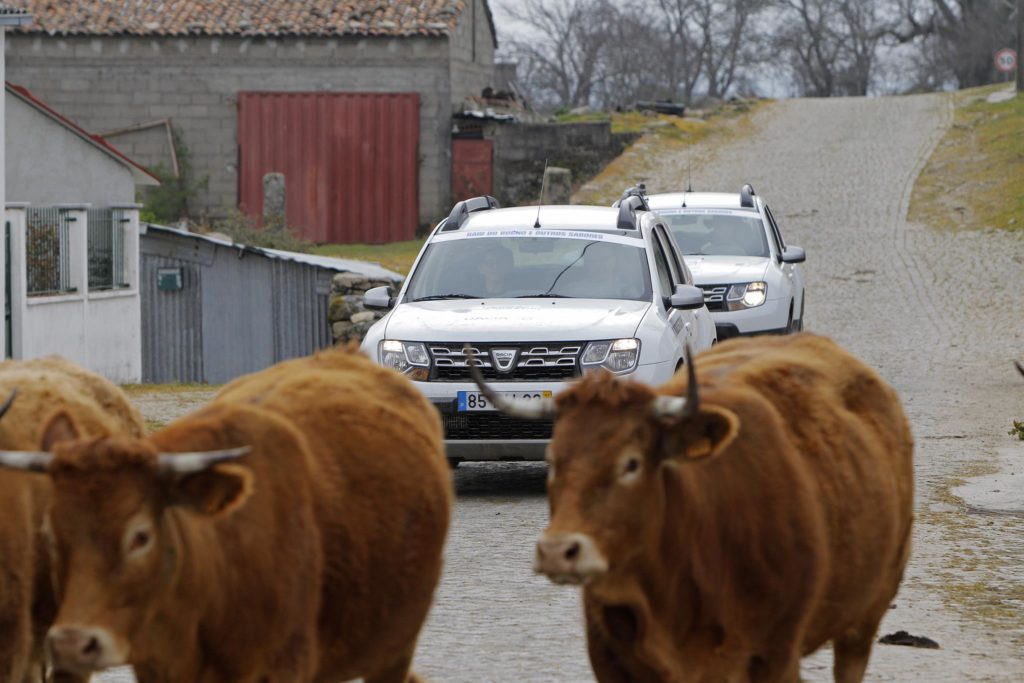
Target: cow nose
point(77, 648)
point(569, 558)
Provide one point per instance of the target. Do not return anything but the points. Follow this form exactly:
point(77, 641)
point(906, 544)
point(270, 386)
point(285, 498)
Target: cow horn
point(28, 461)
point(526, 409)
point(677, 407)
point(190, 463)
point(1020, 367)
point(8, 402)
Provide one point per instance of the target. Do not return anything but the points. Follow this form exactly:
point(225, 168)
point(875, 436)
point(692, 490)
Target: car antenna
point(689, 177)
point(543, 178)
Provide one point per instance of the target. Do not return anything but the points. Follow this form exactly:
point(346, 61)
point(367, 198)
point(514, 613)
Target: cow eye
point(632, 465)
point(139, 540)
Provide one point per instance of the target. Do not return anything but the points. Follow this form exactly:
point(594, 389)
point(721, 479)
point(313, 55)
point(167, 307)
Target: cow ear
point(699, 437)
point(217, 491)
point(60, 427)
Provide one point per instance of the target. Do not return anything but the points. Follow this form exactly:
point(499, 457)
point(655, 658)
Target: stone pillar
point(557, 185)
point(273, 200)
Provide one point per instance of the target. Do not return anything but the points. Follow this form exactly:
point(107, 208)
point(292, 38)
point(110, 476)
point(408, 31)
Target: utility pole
point(1020, 45)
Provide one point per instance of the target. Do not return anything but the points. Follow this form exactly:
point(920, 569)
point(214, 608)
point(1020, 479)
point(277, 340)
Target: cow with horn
point(292, 530)
point(754, 508)
point(34, 389)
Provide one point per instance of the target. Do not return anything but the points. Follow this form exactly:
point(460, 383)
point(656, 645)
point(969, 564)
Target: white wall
point(48, 164)
point(100, 330)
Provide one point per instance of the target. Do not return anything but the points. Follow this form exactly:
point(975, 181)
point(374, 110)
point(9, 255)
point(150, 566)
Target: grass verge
point(397, 256)
point(975, 177)
point(669, 137)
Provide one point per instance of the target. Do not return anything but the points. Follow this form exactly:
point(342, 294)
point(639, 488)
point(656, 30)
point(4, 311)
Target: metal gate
point(471, 168)
point(350, 162)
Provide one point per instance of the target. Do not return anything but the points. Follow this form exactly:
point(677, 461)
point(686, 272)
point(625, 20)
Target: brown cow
point(292, 530)
point(723, 536)
point(27, 604)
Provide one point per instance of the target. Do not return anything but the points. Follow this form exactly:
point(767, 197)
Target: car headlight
point(409, 358)
point(617, 355)
point(748, 295)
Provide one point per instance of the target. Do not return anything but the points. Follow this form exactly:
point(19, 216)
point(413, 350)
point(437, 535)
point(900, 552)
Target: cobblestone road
point(937, 314)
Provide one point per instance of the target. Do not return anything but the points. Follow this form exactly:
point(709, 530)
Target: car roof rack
point(461, 210)
point(747, 195)
point(628, 206)
point(639, 190)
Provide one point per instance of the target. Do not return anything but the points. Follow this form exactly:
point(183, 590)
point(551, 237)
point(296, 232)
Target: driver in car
point(495, 266)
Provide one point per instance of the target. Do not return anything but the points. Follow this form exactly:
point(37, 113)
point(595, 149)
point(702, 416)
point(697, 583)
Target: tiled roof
point(243, 17)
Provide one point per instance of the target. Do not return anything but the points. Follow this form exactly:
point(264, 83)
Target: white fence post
point(17, 216)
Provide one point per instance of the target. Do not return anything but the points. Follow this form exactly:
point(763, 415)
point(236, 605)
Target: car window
point(731, 233)
point(779, 242)
point(492, 265)
point(661, 263)
point(680, 274)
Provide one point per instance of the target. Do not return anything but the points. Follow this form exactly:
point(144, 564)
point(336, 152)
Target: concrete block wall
point(104, 83)
point(472, 53)
point(521, 148)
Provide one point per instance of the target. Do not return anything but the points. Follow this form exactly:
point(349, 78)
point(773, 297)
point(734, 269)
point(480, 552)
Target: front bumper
point(770, 317)
point(492, 436)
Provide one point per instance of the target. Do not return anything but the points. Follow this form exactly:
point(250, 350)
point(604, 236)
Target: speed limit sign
point(1006, 60)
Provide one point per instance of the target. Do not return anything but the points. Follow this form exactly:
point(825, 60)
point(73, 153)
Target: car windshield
point(730, 234)
point(482, 265)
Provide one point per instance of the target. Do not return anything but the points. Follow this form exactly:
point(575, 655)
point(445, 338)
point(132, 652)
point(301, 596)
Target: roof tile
point(241, 17)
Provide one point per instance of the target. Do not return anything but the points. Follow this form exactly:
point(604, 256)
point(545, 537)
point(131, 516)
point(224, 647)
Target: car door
point(682, 323)
point(792, 277)
point(703, 332)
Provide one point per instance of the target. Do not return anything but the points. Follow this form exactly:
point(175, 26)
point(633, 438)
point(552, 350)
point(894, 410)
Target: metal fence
point(105, 244)
point(48, 251)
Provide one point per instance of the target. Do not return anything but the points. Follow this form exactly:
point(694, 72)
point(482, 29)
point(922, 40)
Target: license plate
point(470, 401)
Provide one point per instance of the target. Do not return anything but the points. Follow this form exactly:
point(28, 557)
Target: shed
point(213, 310)
point(347, 99)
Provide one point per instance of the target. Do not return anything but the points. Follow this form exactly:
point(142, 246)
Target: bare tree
point(957, 37)
point(725, 33)
point(563, 54)
point(832, 45)
point(683, 60)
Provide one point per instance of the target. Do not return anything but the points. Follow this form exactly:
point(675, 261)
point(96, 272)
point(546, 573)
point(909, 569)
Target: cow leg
point(851, 653)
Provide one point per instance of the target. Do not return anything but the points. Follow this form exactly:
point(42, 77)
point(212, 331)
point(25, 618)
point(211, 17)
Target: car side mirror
point(794, 255)
point(378, 298)
point(687, 298)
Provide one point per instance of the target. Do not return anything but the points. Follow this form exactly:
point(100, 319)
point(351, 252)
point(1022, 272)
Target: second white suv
point(540, 295)
point(752, 281)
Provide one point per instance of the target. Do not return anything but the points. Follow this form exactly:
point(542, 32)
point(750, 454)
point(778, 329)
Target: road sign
point(1006, 60)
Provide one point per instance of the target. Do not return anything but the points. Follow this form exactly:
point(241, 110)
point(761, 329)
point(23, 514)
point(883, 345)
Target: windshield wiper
point(437, 297)
point(544, 295)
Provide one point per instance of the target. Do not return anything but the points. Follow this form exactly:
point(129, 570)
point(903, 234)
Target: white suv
point(751, 281)
point(540, 295)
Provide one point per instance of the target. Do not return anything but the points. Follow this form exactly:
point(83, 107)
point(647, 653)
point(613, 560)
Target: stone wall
point(521, 148)
point(346, 314)
point(110, 82)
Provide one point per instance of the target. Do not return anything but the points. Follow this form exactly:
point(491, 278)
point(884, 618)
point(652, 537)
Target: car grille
point(534, 362)
point(486, 425)
point(714, 296)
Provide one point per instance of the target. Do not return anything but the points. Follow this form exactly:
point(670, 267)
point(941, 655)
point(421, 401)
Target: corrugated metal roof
point(341, 265)
point(246, 18)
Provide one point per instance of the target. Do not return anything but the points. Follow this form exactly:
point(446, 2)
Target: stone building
point(132, 70)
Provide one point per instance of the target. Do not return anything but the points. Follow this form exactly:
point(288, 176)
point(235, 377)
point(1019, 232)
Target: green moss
point(973, 178)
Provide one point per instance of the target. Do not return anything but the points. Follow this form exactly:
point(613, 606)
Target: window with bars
point(48, 251)
point(105, 244)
